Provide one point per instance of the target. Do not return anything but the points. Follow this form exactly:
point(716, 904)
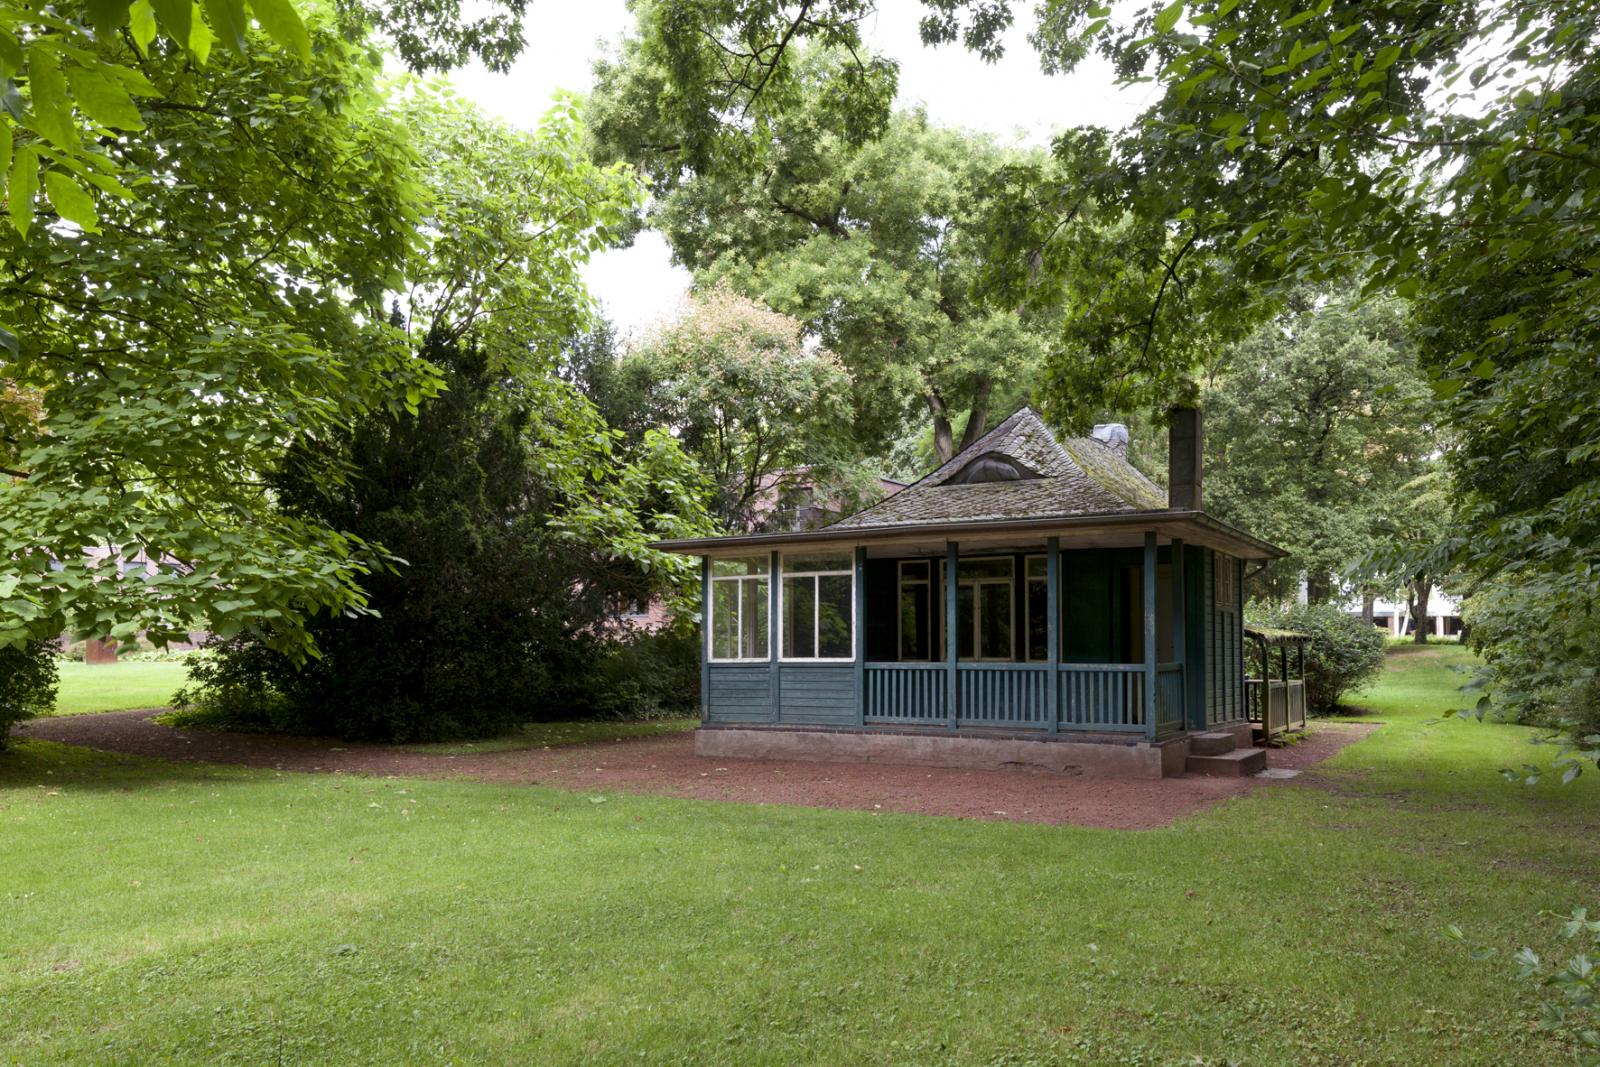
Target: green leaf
point(24, 186)
point(282, 23)
point(142, 24)
point(176, 18)
point(228, 22)
point(1252, 233)
point(5, 148)
point(47, 91)
point(70, 201)
point(101, 96)
point(1169, 16)
point(107, 16)
point(11, 57)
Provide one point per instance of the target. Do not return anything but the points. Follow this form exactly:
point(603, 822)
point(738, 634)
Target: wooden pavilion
point(1033, 600)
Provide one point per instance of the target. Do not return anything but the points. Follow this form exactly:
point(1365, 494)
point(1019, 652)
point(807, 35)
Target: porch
point(1122, 635)
point(1275, 697)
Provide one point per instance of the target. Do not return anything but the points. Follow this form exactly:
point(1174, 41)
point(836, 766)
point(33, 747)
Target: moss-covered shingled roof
point(1080, 476)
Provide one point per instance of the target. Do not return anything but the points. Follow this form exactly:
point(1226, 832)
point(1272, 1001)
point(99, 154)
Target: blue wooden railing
point(1169, 697)
point(1106, 697)
point(914, 693)
point(1102, 696)
point(1003, 694)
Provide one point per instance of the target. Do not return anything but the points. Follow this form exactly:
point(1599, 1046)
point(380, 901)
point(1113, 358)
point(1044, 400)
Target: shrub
point(27, 683)
point(1343, 654)
point(647, 675)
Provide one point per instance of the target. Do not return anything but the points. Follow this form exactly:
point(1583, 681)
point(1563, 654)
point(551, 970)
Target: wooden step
point(1236, 764)
point(1214, 743)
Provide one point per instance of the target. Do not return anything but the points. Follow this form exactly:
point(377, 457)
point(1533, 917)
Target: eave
point(1193, 527)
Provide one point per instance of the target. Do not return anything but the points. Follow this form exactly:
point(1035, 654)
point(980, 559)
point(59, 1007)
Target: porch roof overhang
point(1268, 635)
point(1193, 527)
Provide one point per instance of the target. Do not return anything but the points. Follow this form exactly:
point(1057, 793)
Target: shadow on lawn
point(28, 764)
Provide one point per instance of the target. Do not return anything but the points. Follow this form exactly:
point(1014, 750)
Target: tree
point(74, 91)
point(1440, 152)
point(241, 302)
point(236, 302)
point(701, 84)
point(516, 522)
point(747, 396)
point(492, 616)
point(1412, 525)
point(1315, 425)
point(876, 246)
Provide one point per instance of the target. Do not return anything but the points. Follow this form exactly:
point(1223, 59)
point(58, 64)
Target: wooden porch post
point(1150, 634)
point(1180, 627)
point(774, 681)
point(705, 637)
point(1052, 632)
point(859, 632)
point(950, 599)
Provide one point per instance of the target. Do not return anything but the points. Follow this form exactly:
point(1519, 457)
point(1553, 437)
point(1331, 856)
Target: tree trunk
point(1368, 605)
point(1319, 588)
point(944, 439)
point(1418, 590)
point(977, 414)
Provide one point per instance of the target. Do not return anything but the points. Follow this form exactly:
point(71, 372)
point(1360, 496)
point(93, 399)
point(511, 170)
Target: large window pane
point(755, 619)
point(729, 568)
point(994, 601)
point(812, 562)
point(833, 617)
point(1038, 621)
point(800, 618)
point(984, 568)
point(966, 622)
point(724, 620)
point(916, 621)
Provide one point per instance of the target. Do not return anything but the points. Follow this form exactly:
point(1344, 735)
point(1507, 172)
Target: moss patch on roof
point(1273, 636)
point(1078, 477)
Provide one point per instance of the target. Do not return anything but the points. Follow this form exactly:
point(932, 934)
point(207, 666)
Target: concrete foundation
point(1102, 755)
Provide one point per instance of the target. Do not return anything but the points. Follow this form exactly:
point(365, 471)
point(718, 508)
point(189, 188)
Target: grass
point(117, 686)
point(157, 913)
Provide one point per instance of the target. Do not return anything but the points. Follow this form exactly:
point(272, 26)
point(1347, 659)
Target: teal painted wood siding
point(737, 693)
point(818, 695)
point(1224, 638)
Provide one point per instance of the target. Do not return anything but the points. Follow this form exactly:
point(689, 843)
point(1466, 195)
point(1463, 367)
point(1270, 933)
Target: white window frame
point(1027, 615)
point(977, 609)
point(935, 584)
point(816, 607)
point(738, 633)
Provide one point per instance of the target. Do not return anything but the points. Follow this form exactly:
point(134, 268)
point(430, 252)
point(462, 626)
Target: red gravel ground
point(667, 766)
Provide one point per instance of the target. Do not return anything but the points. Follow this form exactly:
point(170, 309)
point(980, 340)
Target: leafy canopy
point(747, 396)
point(244, 300)
point(879, 248)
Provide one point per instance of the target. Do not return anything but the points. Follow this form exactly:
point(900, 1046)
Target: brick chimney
point(1184, 460)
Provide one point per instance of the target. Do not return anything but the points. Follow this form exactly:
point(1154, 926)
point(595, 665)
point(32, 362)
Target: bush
point(647, 675)
point(27, 684)
point(1343, 654)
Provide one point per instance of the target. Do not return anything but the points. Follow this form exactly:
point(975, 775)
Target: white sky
point(640, 285)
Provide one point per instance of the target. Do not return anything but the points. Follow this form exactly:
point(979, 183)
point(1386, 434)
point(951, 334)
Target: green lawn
point(158, 913)
point(116, 686)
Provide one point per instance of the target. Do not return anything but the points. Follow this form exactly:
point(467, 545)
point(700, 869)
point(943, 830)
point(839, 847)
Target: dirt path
point(667, 766)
